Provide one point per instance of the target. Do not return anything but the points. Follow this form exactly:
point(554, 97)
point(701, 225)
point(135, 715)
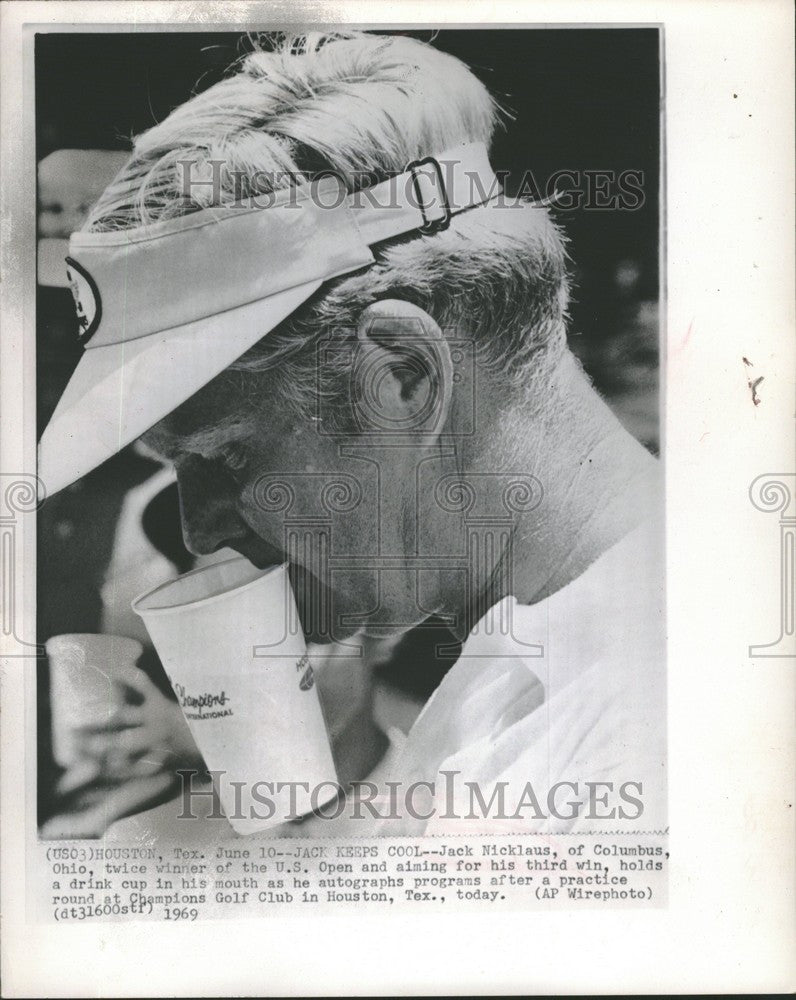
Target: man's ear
point(403, 377)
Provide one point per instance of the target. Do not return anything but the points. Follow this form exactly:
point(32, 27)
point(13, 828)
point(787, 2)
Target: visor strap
point(426, 195)
point(223, 258)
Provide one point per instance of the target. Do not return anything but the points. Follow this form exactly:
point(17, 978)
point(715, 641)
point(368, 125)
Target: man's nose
point(209, 516)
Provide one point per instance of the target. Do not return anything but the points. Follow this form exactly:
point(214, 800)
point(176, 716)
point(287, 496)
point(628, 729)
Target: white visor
point(164, 308)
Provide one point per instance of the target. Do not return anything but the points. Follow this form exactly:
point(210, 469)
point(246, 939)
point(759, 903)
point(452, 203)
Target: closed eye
point(233, 456)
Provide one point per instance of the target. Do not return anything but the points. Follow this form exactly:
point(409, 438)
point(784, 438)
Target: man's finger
point(84, 772)
point(119, 718)
point(135, 795)
point(138, 681)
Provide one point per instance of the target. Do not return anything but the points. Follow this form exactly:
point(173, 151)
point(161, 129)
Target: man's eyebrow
point(203, 441)
point(157, 441)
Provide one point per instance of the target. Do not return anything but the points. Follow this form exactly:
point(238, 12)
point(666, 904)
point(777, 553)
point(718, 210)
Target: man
point(367, 375)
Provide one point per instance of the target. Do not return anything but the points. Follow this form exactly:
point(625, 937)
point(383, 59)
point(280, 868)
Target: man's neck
point(598, 483)
point(345, 688)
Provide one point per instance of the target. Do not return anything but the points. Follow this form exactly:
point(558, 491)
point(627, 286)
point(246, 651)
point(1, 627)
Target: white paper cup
point(256, 719)
point(85, 688)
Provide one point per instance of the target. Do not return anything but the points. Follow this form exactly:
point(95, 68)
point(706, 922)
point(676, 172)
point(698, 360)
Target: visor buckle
point(427, 176)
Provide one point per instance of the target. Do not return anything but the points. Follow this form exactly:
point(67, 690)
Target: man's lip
point(263, 563)
point(260, 555)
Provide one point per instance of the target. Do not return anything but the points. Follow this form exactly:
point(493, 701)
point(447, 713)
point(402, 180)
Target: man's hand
point(127, 761)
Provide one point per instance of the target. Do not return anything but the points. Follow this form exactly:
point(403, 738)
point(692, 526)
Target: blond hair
point(360, 105)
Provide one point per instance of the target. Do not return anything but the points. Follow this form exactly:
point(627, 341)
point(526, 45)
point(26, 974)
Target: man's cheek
point(264, 515)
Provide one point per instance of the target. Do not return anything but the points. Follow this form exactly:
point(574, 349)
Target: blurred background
point(577, 100)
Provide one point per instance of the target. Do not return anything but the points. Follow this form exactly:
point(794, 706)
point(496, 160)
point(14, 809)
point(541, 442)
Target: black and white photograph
point(349, 366)
point(361, 526)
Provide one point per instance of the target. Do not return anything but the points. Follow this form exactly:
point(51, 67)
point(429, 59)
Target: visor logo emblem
point(87, 299)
